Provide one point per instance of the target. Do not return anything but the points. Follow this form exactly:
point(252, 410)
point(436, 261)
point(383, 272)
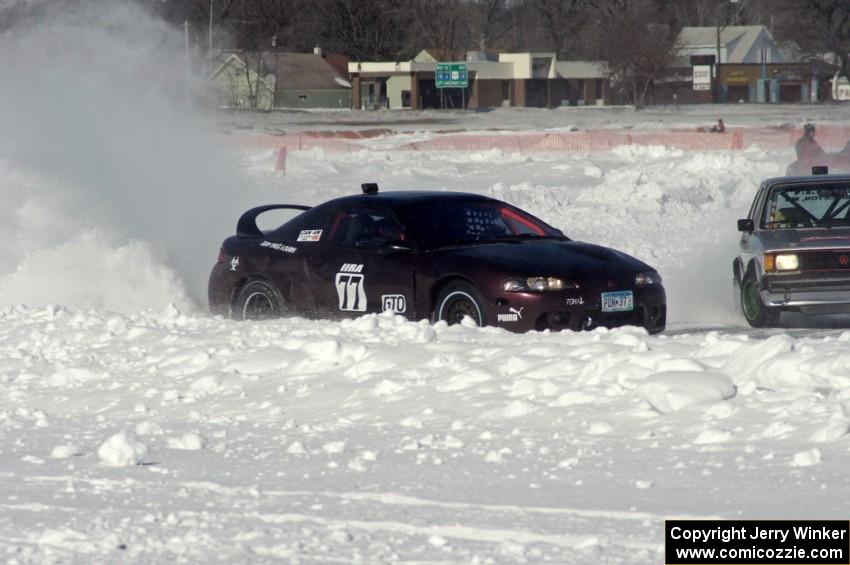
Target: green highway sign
point(452, 75)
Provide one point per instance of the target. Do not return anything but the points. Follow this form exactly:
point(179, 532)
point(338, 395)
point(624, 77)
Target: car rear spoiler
point(247, 224)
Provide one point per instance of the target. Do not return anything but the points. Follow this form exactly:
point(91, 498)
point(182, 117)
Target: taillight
point(221, 255)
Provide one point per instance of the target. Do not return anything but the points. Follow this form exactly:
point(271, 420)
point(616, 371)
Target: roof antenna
point(369, 188)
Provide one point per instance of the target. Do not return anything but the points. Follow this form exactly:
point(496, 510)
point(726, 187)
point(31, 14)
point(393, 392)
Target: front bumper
point(805, 291)
point(561, 310)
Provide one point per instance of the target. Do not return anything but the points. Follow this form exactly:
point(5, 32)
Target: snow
point(121, 450)
point(134, 426)
point(574, 439)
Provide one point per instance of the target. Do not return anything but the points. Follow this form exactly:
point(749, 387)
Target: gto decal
point(394, 303)
point(278, 247)
point(234, 263)
point(350, 288)
point(514, 315)
point(310, 235)
point(575, 301)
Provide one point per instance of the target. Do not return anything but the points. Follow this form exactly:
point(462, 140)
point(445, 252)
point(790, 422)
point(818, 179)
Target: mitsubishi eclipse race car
point(436, 255)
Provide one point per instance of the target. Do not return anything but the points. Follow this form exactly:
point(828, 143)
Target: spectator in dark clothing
point(806, 146)
point(719, 127)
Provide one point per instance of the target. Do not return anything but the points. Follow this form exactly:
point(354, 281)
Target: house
point(305, 80)
point(494, 80)
point(737, 64)
point(236, 86)
point(738, 44)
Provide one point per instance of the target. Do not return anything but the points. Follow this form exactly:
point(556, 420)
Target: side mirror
point(746, 225)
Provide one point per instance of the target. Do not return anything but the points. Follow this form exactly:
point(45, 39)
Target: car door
point(750, 244)
point(289, 251)
point(365, 265)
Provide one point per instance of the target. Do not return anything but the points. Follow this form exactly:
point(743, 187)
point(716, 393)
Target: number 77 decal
point(351, 292)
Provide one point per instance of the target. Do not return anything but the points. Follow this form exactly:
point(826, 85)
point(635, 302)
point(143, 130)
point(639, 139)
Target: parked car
point(434, 255)
point(795, 248)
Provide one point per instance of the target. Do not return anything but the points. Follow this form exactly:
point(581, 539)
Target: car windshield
point(460, 222)
point(808, 206)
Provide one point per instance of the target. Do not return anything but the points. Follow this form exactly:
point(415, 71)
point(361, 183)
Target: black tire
point(457, 300)
point(755, 312)
point(258, 300)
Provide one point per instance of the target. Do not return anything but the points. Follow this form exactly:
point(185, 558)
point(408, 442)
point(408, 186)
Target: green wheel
point(757, 314)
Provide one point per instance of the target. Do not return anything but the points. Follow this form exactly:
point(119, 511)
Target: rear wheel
point(459, 300)
point(258, 300)
point(758, 315)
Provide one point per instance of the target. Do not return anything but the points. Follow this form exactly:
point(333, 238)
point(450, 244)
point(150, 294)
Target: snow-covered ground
point(135, 427)
point(137, 430)
point(566, 118)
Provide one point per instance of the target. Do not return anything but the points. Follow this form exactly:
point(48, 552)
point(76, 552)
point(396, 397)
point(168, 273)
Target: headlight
point(648, 278)
point(787, 263)
point(537, 284)
point(781, 262)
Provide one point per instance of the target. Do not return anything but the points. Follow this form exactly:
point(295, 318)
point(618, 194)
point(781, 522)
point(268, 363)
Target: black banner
point(757, 542)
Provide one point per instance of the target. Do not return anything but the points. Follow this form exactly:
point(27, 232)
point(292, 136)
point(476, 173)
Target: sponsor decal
point(278, 247)
point(310, 235)
point(350, 288)
point(844, 260)
point(513, 315)
point(575, 301)
point(234, 263)
point(394, 303)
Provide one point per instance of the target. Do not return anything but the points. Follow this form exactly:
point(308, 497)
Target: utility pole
point(186, 37)
point(209, 52)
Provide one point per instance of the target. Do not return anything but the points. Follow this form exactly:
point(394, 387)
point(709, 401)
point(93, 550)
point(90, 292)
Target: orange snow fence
point(280, 163)
point(830, 138)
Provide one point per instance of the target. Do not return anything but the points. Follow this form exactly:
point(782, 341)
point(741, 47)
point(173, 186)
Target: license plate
point(620, 301)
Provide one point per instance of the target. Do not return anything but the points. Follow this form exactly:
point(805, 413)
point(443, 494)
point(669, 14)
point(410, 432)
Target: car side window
point(363, 227)
point(753, 215)
point(307, 226)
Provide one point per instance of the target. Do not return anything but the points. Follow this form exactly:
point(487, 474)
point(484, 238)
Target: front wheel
point(258, 300)
point(758, 315)
point(459, 300)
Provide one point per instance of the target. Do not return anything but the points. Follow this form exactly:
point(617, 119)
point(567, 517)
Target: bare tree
point(492, 19)
point(561, 20)
point(440, 24)
point(638, 50)
point(368, 30)
point(822, 26)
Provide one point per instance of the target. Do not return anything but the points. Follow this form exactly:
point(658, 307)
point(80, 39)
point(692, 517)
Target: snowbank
point(382, 439)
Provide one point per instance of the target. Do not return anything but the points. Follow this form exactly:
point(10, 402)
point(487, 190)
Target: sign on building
point(702, 77)
point(840, 88)
point(452, 75)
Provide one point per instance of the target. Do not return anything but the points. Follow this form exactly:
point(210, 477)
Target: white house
point(738, 44)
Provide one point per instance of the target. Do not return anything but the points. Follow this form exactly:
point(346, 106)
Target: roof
point(738, 40)
point(300, 71)
point(339, 63)
point(802, 179)
point(432, 55)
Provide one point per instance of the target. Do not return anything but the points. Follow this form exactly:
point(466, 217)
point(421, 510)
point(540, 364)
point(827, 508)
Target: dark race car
point(435, 255)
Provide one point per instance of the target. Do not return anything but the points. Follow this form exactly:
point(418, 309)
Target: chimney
point(317, 51)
